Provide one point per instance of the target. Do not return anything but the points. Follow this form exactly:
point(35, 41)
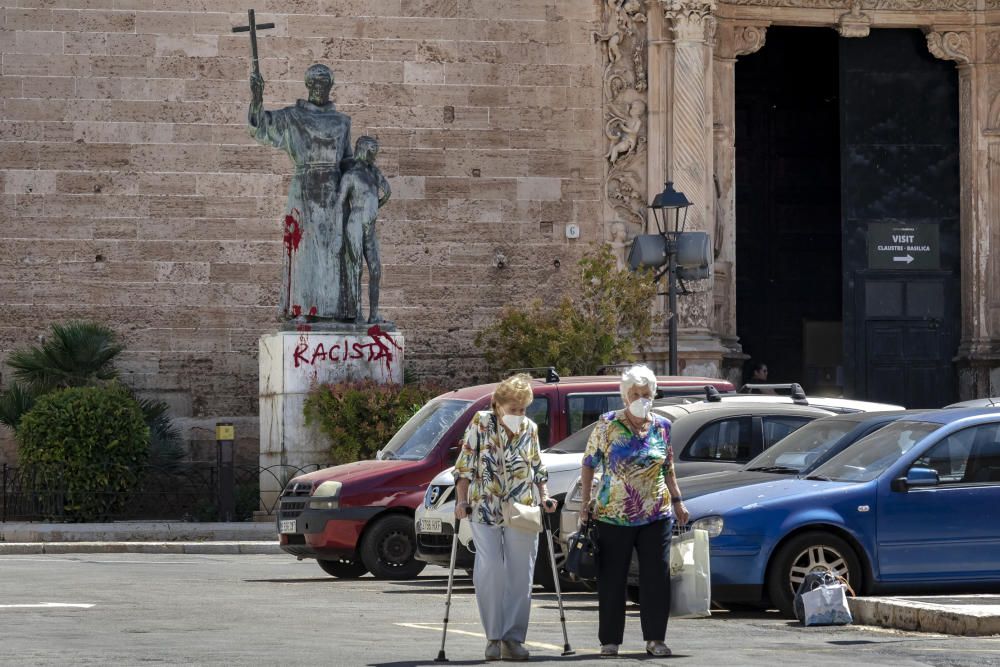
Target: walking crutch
point(567, 650)
point(451, 579)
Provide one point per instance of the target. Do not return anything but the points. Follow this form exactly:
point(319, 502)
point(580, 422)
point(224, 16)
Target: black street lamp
point(670, 212)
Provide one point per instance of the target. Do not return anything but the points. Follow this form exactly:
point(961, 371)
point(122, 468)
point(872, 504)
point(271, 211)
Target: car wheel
point(344, 568)
point(809, 552)
point(389, 548)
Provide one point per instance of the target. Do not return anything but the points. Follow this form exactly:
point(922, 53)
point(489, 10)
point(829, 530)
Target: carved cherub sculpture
point(619, 244)
point(625, 132)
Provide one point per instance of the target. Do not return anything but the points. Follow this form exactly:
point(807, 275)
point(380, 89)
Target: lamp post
point(667, 208)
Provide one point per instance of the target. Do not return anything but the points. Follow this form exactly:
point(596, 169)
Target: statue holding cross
point(317, 281)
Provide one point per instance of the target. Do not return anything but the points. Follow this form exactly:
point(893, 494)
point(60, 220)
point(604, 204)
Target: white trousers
point(502, 574)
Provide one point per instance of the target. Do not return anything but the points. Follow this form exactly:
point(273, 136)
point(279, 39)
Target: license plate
point(430, 525)
point(288, 526)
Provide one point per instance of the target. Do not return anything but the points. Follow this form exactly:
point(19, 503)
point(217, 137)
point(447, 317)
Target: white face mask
point(640, 407)
point(513, 422)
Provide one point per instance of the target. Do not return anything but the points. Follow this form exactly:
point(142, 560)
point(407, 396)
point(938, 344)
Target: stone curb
point(138, 531)
point(922, 616)
point(209, 548)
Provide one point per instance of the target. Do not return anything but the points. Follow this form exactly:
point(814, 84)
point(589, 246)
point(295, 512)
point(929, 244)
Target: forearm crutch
point(567, 650)
point(451, 579)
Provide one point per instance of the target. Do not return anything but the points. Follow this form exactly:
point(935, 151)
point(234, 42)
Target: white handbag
point(527, 518)
point(690, 576)
point(826, 605)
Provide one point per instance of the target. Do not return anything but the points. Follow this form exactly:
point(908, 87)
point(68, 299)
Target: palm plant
point(76, 355)
point(80, 354)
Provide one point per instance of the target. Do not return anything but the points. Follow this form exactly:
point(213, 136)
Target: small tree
point(85, 446)
point(609, 320)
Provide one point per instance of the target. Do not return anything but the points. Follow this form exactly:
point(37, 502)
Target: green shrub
point(87, 444)
point(360, 417)
point(81, 354)
point(608, 321)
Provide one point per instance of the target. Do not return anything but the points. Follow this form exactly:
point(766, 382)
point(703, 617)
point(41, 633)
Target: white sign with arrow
point(901, 246)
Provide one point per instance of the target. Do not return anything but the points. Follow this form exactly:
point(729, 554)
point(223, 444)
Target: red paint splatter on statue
point(296, 310)
point(293, 237)
point(312, 311)
point(383, 353)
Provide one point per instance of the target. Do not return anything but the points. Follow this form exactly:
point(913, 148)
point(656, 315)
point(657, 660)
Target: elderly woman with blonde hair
point(637, 502)
point(500, 464)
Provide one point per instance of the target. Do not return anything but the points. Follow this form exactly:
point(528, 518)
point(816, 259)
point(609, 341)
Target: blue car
point(913, 506)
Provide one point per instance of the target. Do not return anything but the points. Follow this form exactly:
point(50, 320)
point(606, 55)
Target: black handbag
point(581, 555)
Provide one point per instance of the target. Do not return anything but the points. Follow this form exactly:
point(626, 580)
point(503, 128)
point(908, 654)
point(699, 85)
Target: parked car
point(358, 517)
point(704, 435)
point(992, 402)
point(687, 467)
point(798, 453)
point(911, 507)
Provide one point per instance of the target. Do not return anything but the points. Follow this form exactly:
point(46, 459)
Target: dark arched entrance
point(847, 208)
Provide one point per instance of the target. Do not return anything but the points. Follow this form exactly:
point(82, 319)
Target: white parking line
point(47, 605)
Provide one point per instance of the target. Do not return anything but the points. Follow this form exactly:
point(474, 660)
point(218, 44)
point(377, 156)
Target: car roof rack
point(551, 375)
point(779, 388)
point(791, 389)
point(798, 394)
point(613, 367)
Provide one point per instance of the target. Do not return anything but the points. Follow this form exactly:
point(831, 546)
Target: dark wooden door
point(788, 246)
point(900, 207)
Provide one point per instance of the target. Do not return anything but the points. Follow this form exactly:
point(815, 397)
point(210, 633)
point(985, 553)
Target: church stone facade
point(134, 195)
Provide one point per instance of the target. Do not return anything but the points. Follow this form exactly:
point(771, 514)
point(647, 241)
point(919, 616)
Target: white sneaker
point(512, 650)
point(609, 650)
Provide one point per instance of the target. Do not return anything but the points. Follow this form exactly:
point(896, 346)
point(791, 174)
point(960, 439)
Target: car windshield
point(422, 431)
point(800, 449)
point(869, 457)
point(574, 444)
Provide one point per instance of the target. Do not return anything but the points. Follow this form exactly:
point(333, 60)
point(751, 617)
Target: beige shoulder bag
point(526, 518)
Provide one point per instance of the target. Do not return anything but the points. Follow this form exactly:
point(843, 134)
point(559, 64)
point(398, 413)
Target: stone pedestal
point(291, 362)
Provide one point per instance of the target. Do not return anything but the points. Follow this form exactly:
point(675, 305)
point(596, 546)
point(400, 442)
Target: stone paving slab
point(969, 615)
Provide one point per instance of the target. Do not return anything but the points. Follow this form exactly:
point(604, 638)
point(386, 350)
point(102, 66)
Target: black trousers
point(615, 546)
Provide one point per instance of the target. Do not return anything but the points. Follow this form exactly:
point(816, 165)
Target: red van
point(358, 517)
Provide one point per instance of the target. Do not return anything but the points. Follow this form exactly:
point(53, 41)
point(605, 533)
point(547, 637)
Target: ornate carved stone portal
point(669, 114)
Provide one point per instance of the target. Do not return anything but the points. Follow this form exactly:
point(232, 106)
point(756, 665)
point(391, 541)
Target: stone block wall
point(133, 195)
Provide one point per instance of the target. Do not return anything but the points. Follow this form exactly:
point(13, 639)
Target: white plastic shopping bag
point(690, 576)
point(826, 605)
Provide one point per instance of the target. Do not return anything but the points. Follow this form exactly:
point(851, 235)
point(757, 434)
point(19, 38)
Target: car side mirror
point(917, 478)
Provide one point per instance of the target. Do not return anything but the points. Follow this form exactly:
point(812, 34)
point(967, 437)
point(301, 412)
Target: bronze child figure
point(364, 190)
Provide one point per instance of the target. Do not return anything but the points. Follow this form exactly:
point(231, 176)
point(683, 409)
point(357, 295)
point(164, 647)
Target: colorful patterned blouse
point(633, 488)
point(489, 488)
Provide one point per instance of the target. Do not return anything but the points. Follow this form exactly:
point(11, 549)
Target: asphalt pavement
point(182, 609)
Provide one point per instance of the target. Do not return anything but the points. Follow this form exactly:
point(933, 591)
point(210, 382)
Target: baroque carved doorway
point(839, 143)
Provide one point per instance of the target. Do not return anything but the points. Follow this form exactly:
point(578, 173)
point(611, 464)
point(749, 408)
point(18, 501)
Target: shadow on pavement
point(317, 580)
point(535, 657)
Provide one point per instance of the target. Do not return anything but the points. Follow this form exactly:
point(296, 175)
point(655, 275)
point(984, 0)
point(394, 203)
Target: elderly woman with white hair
point(637, 502)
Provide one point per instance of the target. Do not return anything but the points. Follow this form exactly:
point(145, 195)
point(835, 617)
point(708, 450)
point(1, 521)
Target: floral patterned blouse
point(633, 488)
point(489, 488)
